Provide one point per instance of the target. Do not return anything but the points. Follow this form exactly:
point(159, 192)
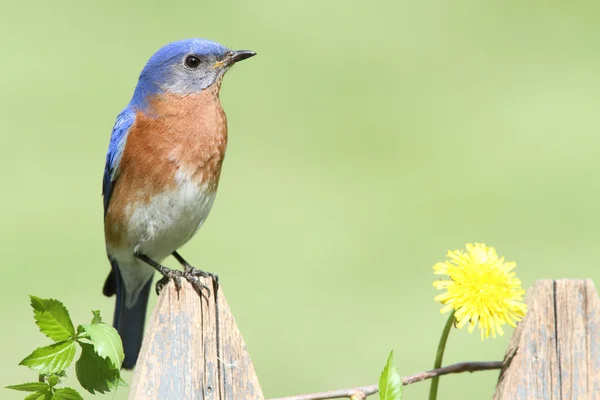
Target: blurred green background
point(366, 139)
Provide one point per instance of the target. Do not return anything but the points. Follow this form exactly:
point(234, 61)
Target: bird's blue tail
point(128, 321)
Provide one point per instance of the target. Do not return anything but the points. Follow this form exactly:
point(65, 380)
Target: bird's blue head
point(185, 67)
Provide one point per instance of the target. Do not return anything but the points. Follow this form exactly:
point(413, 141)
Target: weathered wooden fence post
point(555, 351)
point(553, 354)
point(179, 360)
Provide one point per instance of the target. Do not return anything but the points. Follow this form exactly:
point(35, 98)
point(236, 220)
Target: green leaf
point(390, 382)
point(30, 387)
point(51, 359)
point(40, 396)
point(94, 372)
point(105, 338)
point(66, 394)
point(52, 318)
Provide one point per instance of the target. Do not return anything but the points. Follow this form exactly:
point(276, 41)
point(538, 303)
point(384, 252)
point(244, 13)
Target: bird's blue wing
point(129, 322)
point(115, 150)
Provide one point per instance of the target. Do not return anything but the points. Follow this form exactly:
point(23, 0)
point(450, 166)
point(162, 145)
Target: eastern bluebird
point(162, 171)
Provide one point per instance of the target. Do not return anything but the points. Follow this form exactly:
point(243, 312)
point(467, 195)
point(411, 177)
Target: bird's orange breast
point(178, 137)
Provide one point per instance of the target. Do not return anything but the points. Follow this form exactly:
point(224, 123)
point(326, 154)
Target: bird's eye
point(192, 61)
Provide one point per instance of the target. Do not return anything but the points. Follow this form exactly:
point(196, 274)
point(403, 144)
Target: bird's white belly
point(158, 228)
point(169, 220)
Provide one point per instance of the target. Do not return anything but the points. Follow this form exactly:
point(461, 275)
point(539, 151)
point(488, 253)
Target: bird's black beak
point(236, 55)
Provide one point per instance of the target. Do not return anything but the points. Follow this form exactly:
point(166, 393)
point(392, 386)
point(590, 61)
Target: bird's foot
point(176, 276)
point(169, 274)
point(192, 275)
point(189, 274)
point(199, 273)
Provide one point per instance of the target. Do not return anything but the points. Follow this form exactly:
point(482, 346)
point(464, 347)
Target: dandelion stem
point(439, 356)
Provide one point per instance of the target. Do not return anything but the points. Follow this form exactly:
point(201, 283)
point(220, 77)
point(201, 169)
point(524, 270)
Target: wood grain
point(555, 351)
point(178, 359)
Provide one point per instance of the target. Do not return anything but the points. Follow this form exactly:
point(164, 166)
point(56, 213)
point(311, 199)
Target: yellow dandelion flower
point(482, 288)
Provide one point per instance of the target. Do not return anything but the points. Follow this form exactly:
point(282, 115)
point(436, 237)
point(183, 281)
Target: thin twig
point(365, 391)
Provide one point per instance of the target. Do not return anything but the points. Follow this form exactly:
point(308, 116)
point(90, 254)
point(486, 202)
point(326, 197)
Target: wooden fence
point(554, 353)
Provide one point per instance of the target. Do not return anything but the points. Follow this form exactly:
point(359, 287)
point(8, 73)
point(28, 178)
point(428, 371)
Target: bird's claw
point(191, 275)
point(168, 275)
point(199, 273)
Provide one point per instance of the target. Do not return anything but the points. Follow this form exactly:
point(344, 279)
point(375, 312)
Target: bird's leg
point(167, 273)
point(193, 272)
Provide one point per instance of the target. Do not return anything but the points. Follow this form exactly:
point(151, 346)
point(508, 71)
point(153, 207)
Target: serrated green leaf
point(51, 359)
point(66, 394)
point(95, 373)
point(53, 319)
point(106, 341)
point(390, 382)
point(30, 387)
